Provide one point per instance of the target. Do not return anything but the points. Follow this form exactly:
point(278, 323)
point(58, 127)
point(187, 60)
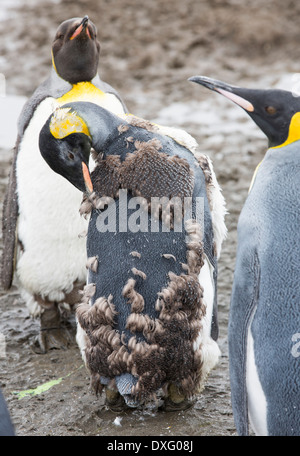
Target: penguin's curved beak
point(83, 26)
point(87, 178)
point(233, 93)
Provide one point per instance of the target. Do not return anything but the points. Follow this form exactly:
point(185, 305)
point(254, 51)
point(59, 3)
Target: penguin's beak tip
point(85, 20)
point(204, 81)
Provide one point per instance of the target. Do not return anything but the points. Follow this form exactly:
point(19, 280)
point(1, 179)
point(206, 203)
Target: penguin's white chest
point(257, 404)
point(49, 223)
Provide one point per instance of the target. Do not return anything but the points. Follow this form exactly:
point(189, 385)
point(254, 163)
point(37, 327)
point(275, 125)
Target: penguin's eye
point(271, 110)
point(60, 37)
point(71, 156)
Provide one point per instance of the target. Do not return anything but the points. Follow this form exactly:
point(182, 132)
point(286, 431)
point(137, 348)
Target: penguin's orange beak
point(81, 27)
point(87, 177)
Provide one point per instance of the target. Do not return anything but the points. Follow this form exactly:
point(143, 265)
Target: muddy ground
point(149, 49)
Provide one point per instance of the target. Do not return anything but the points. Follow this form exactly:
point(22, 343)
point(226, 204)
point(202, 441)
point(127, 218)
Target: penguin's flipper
point(9, 227)
point(243, 304)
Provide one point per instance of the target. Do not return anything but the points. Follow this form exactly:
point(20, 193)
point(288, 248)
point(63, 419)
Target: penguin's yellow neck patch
point(253, 178)
point(53, 63)
point(83, 91)
point(64, 122)
point(294, 131)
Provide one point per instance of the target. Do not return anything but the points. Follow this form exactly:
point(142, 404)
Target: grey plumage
point(267, 289)
point(265, 313)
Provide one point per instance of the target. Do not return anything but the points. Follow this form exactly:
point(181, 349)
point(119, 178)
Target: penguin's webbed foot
point(175, 401)
point(53, 335)
point(114, 401)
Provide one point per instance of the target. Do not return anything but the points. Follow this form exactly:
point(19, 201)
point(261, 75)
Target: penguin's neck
point(101, 123)
point(83, 91)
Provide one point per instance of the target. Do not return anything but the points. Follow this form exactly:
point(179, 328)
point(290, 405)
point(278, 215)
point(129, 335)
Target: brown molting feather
point(118, 360)
point(181, 310)
point(92, 263)
point(99, 354)
point(147, 173)
point(195, 249)
point(103, 201)
point(129, 139)
point(105, 333)
point(137, 322)
point(86, 206)
point(141, 123)
point(134, 298)
point(106, 176)
point(96, 384)
point(139, 273)
point(135, 254)
point(122, 128)
point(159, 361)
point(148, 146)
point(104, 351)
point(88, 203)
point(168, 256)
point(184, 267)
point(167, 353)
point(204, 165)
point(170, 176)
point(154, 361)
point(101, 313)
point(88, 292)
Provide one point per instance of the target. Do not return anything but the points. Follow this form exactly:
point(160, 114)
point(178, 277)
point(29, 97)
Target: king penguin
point(42, 233)
point(147, 325)
point(264, 320)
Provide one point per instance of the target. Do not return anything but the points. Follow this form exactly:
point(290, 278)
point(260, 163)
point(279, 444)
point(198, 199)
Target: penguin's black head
point(67, 155)
point(276, 112)
point(76, 50)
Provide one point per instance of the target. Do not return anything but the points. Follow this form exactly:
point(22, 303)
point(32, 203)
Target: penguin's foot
point(52, 334)
point(114, 401)
point(175, 401)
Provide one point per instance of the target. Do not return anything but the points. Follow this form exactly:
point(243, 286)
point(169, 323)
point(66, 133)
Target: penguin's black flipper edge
point(9, 226)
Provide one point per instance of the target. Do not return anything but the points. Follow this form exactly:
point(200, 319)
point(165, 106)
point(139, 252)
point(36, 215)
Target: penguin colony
point(147, 322)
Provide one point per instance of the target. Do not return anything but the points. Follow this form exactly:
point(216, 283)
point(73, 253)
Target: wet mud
point(149, 50)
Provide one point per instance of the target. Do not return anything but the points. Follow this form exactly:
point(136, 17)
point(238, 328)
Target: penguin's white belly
point(257, 404)
point(210, 350)
point(49, 223)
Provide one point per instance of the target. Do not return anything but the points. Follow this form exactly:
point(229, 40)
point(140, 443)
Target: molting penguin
point(6, 425)
point(40, 228)
point(264, 323)
point(147, 326)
